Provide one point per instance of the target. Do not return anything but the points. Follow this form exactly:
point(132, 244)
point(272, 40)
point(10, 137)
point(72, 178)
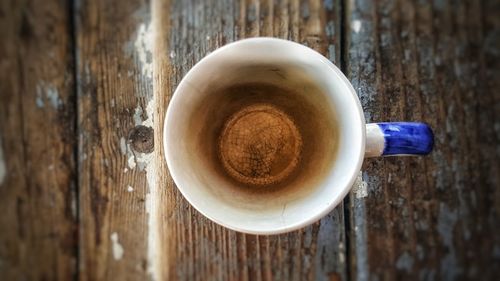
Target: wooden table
point(85, 193)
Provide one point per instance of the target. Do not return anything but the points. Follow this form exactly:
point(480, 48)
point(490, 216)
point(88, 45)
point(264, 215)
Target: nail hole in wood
point(141, 139)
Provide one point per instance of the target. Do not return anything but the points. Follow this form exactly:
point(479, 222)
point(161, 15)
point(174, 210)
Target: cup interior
point(264, 136)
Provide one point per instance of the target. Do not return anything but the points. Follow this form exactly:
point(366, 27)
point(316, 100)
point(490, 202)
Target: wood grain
point(37, 139)
point(192, 247)
point(85, 192)
point(114, 74)
point(428, 218)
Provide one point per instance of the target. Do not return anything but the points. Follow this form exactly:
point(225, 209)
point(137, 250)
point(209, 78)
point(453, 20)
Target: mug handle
point(398, 138)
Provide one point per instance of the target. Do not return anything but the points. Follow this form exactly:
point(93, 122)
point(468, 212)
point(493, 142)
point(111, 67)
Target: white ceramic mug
point(192, 121)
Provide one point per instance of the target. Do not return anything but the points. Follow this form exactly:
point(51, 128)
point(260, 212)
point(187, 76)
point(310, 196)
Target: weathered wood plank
point(192, 247)
point(38, 228)
point(428, 218)
point(114, 75)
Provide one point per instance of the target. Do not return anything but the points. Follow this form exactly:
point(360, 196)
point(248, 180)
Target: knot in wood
point(141, 138)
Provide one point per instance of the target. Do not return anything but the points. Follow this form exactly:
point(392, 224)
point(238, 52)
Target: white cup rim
point(355, 163)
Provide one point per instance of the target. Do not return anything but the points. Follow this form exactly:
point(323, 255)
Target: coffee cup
point(266, 136)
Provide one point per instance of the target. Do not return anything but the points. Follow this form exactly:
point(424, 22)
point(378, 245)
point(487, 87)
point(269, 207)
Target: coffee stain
point(311, 115)
point(260, 145)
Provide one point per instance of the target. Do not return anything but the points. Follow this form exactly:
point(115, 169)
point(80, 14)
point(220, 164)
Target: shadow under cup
point(253, 141)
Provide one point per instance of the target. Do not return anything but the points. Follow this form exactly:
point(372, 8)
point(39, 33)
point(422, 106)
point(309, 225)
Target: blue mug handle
point(398, 138)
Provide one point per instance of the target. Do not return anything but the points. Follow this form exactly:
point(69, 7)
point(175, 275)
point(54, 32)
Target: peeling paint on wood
point(117, 248)
point(114, 86)
point(360, 187)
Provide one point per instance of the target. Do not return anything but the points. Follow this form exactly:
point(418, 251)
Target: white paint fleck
point(148, 162)
point(405, 262)
point(143, 47)
point(172, 54)
point(123, 146)
point(39, 102)
point(328, 4)
point(407, 54)
point(437, 60)
point(208, 37)
point(331, 52)
point(341, 252)
point(117, 248)
point(143, 160)
point(356, 25)
point(130, 188)
point(420, 252)
point(131, 162)
point(125, 170)
point(360, 187)
point(3, 166)
point(341, 257)
point(360, 237)
point(49, 92)
point(142, 50)
point(138, 115)
point(149, 113)
point(112, 102)
point(39, 96)
point(52, 95)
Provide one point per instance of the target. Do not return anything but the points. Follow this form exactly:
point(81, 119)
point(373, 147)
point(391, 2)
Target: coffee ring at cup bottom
point(260, 145)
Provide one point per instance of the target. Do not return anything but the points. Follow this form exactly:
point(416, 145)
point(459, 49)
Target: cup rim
point(279, 228)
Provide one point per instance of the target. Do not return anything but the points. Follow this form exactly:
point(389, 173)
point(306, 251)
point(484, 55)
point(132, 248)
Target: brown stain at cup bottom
point(311, 137)
point(260, 145)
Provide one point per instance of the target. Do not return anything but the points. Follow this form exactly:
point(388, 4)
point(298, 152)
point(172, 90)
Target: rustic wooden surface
point(114, 86)
point(85, 195)
point(431, 218)
point(38, 223)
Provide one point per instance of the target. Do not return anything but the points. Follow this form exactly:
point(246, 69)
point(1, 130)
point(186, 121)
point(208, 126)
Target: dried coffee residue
point(260, 145)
